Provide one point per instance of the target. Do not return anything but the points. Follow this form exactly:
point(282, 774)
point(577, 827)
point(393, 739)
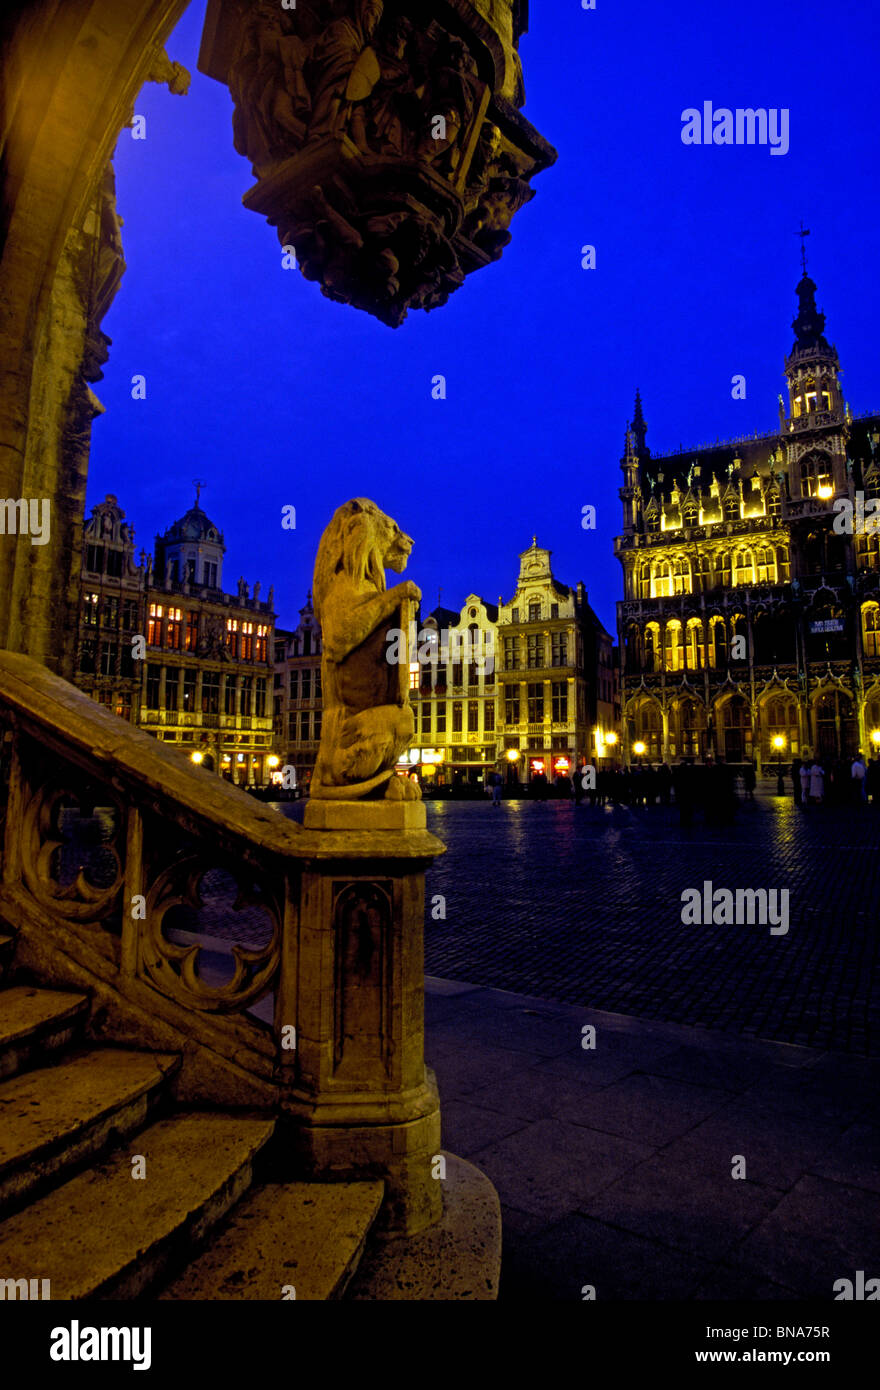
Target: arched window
point(868, 551)
point(652, 647)
point(662, 581)
point(739, 640)
point(871, 629)
point(766, 565)
point(816, 474)
point(774, 504)
point(723, 569)
point(731, 507)
point(652, 518)
point(701, 575)
point(717, 644)
point(743, 567)
point(782, 564)
point(691, 513)
point(645, 581)
point(674, 652)
point(694, 650)
point(681, 577)
point(779, 719)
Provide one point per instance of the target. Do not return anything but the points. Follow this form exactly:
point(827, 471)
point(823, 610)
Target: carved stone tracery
point(384, 150)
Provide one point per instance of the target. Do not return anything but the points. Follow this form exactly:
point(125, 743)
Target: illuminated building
point(453, 686)
point(297, 694)
point(557, 685)
point(202, 679)
point(746, 617)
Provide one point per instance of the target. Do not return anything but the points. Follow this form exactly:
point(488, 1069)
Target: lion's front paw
point(396, 789)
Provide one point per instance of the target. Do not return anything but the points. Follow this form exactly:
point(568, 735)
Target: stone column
point(357, 1096)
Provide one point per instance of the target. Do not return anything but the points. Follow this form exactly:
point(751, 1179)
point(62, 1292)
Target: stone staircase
point(79, 1122)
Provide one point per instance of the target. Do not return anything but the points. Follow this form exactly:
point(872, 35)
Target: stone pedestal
point(356, 1090)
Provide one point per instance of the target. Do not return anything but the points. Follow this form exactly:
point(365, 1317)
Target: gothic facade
point(750, 623)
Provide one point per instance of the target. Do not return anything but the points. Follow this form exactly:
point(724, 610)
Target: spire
point(640, 429)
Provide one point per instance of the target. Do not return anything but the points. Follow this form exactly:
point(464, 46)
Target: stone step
point(59, 1115)
point(36, 1022)
point(305, 1236)
point(108, 1234)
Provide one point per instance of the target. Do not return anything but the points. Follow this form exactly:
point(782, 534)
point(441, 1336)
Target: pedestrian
point(805, 783)
point(872, 780)
point(796, 765)
point(858, 773)
point(817, 782)
point(497, 782)
point(749, 780)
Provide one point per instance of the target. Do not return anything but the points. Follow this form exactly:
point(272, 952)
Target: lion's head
point(362, 542)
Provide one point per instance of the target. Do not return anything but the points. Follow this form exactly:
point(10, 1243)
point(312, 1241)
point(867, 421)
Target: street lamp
point(512, 756)
point(875, 738)
point(779, 744)
point(197, 757)
point(639, 749)
point(611, 739)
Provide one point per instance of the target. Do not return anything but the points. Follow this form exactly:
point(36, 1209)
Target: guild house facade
point(297, 695)
point(750, 623)
point(203, 678)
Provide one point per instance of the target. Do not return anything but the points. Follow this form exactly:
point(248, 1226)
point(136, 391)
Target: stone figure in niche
point(368, 721)
point(267, 85)
point(345, 67)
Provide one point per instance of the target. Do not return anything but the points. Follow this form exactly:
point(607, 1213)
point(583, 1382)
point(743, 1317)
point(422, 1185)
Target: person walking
point(858, 774)
point(497, 782)
point(750, 780)
point(805, 783)
point(817, 782)
point(796, 765)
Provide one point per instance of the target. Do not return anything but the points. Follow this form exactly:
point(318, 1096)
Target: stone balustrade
point(337, 1049)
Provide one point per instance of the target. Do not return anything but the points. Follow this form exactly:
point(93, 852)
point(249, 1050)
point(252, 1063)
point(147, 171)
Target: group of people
point(835, 781)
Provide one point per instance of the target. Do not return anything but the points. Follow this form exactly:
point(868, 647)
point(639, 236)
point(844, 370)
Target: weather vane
point(198, 484)
point(804, 232)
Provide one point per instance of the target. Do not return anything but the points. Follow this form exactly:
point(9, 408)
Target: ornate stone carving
point(174, 968)
point(69, 856)
point(368, 721)
point(385, 145)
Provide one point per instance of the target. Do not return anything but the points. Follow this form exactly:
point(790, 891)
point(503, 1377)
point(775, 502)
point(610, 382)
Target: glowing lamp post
point(875, 739)
point(197, 757)
point(779, 744)
point(639, 749)
point(512, 760)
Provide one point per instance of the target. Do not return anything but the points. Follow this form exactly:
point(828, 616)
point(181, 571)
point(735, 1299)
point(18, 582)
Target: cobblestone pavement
point(662, 1162)
point(583, 905)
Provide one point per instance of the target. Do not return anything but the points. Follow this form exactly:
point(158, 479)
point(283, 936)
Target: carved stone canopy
point(385, 138)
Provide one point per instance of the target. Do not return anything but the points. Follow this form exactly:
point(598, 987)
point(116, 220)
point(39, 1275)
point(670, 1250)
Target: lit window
point(154, 625)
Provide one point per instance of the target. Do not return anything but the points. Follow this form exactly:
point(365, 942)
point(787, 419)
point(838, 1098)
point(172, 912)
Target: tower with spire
point(814, 429)
point(750, 620)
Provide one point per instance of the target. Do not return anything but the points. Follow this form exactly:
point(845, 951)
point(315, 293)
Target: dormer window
point(774, 505)
point(691, 514)
point(731, 508)
point(653, 520)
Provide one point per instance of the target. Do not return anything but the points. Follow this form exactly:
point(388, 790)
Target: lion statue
point(367, 721)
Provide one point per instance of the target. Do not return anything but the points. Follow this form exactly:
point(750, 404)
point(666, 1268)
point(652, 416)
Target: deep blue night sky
point(275, 395)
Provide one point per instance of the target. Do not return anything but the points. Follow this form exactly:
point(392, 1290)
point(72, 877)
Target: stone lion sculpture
point(367, 719)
